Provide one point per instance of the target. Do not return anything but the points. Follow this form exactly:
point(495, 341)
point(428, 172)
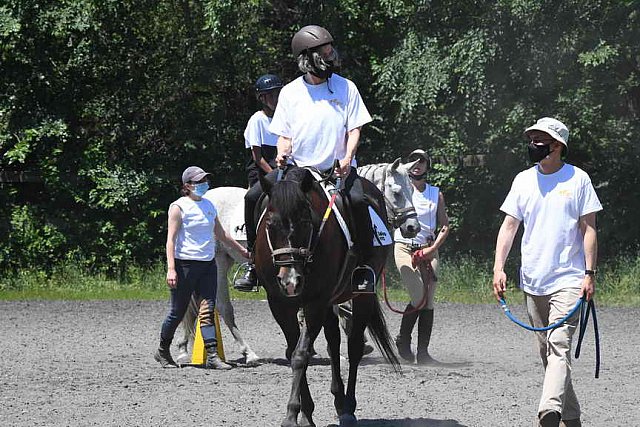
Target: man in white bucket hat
point(557, 205)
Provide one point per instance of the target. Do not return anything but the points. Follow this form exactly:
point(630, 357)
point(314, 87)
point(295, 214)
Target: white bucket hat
point(555, 128)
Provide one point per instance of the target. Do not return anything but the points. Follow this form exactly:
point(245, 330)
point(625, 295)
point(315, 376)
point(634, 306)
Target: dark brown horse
point(304, 274)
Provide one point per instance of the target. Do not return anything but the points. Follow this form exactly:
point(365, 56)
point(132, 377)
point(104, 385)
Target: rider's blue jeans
point(197, 277)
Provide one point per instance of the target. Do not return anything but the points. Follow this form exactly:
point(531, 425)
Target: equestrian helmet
point(268, 82)
point(309, 37)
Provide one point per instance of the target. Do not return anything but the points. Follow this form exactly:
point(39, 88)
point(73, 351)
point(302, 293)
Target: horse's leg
point(300, 401)
point(332, 335)
point(223, 304)
point(362, 309)
point(287, 319)
point(189, 328)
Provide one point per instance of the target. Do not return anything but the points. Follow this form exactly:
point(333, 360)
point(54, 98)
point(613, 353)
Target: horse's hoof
point(183, 358)
point(251, 358)
point(348, 420)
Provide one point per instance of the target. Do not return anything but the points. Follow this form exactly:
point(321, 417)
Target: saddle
point(352, 270)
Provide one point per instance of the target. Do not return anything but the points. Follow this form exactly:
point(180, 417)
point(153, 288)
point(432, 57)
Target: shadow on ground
point(406, 422)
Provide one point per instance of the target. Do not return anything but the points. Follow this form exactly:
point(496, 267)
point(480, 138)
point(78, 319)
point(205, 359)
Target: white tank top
point(426, 205)
point(195, 240)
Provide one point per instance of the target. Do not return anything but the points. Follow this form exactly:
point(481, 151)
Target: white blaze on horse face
point(289, 279)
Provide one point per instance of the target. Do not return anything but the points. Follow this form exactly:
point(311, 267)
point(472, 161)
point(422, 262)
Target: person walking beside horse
point(417, 259)
point(557, 205)
point(191, 265)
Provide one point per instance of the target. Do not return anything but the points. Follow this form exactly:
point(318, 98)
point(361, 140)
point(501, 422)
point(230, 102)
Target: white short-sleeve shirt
point(550, 207)
point(257, 134)
point(317, 119)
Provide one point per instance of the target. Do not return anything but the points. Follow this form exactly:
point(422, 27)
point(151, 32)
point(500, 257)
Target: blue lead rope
point(515, 320)
point(584, 319)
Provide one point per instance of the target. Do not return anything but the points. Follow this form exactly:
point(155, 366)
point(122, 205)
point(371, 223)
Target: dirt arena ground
point(90, 364)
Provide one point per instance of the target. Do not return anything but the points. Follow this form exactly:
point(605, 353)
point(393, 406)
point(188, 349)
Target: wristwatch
point(590, 272)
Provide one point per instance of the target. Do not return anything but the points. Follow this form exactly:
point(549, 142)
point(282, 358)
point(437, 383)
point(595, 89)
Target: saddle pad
point(381, 235)
point(237, 228)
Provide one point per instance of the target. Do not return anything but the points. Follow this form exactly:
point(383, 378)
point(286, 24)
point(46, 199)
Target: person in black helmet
point(318, 119)
point(261, 143)
point(262, 149)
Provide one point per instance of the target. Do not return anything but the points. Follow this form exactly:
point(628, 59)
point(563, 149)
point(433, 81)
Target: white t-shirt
point(257, 134)
point(317, 119)
point(426, 206)
point(195, 240)
point(550, 207)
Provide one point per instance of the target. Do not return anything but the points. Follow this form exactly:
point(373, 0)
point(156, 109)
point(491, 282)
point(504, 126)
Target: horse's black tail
point(380, 334)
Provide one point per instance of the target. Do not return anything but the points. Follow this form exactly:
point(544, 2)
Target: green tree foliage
point(109, 101)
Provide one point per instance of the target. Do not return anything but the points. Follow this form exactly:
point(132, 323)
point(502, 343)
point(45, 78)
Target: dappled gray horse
point(393, 180)
point(390, 178)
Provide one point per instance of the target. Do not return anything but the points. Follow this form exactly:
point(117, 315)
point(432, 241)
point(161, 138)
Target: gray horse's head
point(398, 191)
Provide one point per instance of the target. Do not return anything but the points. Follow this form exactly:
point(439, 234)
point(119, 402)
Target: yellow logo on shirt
point(565, 193)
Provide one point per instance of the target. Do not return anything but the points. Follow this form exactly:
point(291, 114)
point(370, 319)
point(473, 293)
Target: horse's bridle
point(396, 217)
point(296, 256)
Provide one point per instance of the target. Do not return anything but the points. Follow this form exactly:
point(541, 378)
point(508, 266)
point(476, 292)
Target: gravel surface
point(68, 363)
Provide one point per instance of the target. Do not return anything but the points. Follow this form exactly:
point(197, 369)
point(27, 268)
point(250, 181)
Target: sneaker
point(163, 356)
point(248, 283)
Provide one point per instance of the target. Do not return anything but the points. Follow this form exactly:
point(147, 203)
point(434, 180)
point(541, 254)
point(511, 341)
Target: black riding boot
point(213, 360)
point(425, 326)
point(403, 341)
point(163, 355)
point(249, 282)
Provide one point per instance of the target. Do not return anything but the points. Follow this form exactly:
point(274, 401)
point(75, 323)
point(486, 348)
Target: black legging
point(363, 238)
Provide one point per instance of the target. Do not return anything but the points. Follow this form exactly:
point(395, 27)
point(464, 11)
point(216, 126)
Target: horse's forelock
point(288, 200)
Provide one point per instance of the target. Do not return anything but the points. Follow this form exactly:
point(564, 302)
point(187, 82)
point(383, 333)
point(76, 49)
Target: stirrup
point(248, 283)
point(363, 280)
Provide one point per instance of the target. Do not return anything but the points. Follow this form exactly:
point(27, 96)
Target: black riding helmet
point(309, 37)
point(268, 82)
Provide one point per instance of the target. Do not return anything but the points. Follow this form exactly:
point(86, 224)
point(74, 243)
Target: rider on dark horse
point(318, 120)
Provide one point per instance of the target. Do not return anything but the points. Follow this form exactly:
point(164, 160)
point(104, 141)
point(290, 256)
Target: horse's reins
point(585, 308)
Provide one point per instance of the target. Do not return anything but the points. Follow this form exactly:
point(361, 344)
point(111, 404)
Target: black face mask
point(538, 152)
point(324, 67)
point(322, 74)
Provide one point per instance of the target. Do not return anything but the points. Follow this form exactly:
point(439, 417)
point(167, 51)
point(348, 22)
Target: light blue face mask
point(200, 189)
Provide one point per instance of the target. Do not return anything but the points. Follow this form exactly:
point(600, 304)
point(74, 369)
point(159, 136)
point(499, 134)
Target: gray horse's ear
point(307, 181)
point(265, 184)
point(395, 164)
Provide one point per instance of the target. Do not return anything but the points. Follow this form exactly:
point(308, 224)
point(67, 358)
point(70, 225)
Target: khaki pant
point(415, 279)
point(555, 349)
